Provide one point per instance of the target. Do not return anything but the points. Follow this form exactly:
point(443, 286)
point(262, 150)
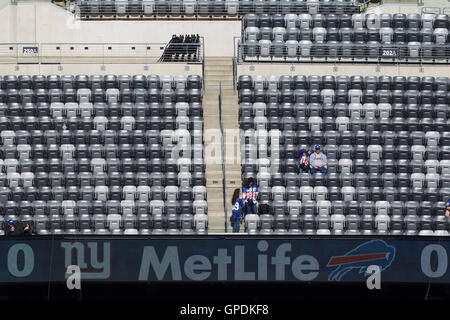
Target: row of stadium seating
point(94, 82)
point(413, 21)
point(100, 95)
point(427, 112)
point(343, 82)
point(358, 220)
point(106, 166)
point(344, 96)
point(87, 8)
point(397, 124)
point(100, 109)
point(381, 163)
point(370, 37)
point(115, 223)
point(101, 123)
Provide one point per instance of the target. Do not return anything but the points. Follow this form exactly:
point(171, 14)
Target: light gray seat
point(252, 223)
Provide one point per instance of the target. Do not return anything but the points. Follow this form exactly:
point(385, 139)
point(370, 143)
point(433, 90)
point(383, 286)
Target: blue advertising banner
point(210, 258)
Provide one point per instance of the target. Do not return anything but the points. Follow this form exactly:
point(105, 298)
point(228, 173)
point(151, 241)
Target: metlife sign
point(209, 258)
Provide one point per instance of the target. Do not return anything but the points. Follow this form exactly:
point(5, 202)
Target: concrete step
point(214, 174)
point(215, 195)
point(216, 80)
point(216, 208)
point(233, 170)
point(230, 115)
point(230, 111)
point(231, 124)
point(216, 71)
point(211, 62)
point(213, 182)
point(216, 85)
point(226, 101)
point(229, 98)
point(219, 81)
point(232, 173)
point(214, 167)
point(211, 102)
point(220, 61)
point(222, 72)
point(218, 66)
point(225, 92)
point(229, 119)
point(211, 98)
point(211, 121)
point(232, 177)
point(216, 223)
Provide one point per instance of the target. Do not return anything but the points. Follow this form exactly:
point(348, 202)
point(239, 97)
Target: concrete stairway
point(219, 70)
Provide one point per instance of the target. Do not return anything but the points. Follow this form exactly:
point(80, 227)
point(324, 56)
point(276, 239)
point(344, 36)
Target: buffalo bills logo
point(374, 252)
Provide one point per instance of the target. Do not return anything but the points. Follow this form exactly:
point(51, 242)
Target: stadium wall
point(318, 259)
point(90, 69)
point(43, 22)
point(342, 69)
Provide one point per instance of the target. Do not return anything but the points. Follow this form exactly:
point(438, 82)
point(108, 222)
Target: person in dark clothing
point(12, 229)
point(303, 161)
point(27, 230)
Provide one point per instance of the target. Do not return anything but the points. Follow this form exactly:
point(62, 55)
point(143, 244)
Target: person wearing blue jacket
point(238, 204)
point(447, 208)
point(303, 161)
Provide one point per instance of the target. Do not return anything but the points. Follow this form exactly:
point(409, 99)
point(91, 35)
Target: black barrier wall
point(212, 258)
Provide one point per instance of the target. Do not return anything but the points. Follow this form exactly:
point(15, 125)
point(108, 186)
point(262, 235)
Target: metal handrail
point(234, 74)
point(203, 64)
point(435, 10)
point(222, 145)
point(57, 53)
point(365, 5)
point(352, 52)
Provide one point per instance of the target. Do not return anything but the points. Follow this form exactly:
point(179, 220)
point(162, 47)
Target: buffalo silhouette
point(374, 252)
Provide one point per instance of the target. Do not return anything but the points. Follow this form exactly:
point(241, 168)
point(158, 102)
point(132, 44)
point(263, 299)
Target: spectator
point(318, 161)
point(238, 205)
point(447, 208)
point(12, 229)
point(250, 193)
point(27, 229)
point(303, 161)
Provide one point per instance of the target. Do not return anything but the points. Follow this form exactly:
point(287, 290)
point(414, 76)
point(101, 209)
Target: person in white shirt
point(318, 161)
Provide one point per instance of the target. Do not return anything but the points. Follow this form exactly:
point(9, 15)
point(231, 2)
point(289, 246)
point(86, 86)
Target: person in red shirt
point(250, 193)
